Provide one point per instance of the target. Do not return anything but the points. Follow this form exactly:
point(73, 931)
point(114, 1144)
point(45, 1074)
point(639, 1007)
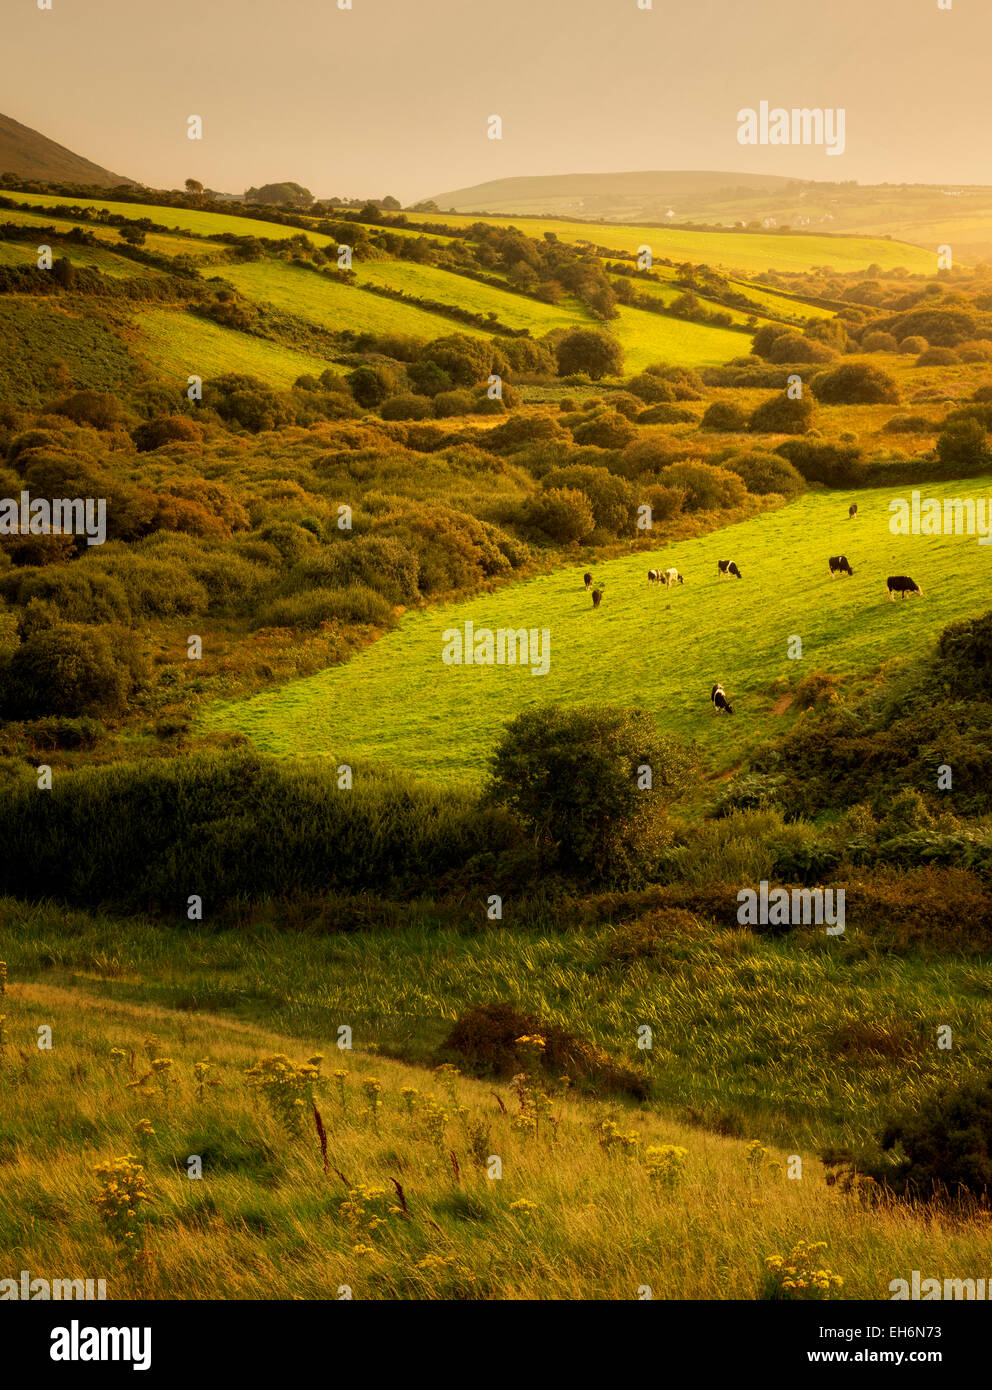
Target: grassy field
point(23, 253)
point(186, 219)
point(648, 338)
point(750, 252)
point(177, 344)
point(51, 334)
point(161, 242)
point(335, 306)
point(575, 1211)
point(397, 702)
point(430, 282)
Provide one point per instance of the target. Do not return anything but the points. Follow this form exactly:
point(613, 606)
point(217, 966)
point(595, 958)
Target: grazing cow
point(671, 577)
point(588, 580)
point(852, 510)
point(838, 565)
point(654, 576)
point(597, 597)
point(902, 584)
point(721, 705)
point(727, 567)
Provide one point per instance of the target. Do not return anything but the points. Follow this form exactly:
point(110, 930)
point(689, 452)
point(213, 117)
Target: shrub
point(355, 603)
point(167, 429)
point(572, 776)
point(371, 385)
point(665, 502)
point(963, 444)
point(71, 671)
point(98, 409)
point(406, 408)
point(946, 1144)
point(487, 1037)
point(664, 414)
point(611, 498)
point(706, 487)
point(937, 357)
point(651, 389)
point(856, 383)
point(764, 473)
point(563, 514)
point(607, 430)
point(448, 403)
point(587, 350)
point(909, 424)
point(913, 344)
point(790, 347)
point(724, 415)
point(380, 563)
point(879, 342)
point(649, 455)
point(836, 465)
point(782, 415)
point(521, 430)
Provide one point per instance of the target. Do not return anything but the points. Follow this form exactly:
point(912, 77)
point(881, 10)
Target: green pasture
point(399, 703)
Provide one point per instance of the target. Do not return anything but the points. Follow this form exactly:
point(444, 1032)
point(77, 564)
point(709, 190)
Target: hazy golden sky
point(394, 95)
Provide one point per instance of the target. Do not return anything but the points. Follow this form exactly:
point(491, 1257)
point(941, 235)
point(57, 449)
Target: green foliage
point(572, 776)
point(856, 383)
point(72, 671)
point(783, 415)
point(587, 350)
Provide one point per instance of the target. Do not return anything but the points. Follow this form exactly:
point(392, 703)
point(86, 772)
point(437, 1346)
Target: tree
point(963, 444)
point(590, 351)
point(194, 189)
point(134, 236)
point(280, 194)
point(578, 778)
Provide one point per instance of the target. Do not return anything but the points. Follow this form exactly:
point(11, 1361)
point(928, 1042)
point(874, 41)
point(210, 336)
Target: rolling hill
point(31, 155)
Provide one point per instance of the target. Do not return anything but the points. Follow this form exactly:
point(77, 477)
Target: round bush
point(407, 408)
point(764, 473)
point(856, 383)
point(782, 415)
point(879, 342)
point(913, 344)
point(563, 514)
point(938, 357)
point(724, 415)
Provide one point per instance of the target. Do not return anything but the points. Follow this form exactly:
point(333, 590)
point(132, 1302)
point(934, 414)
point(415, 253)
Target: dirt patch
point(782, 704)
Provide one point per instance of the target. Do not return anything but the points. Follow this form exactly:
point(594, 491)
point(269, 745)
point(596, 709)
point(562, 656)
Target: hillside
point(602, 195)
point(31, 155)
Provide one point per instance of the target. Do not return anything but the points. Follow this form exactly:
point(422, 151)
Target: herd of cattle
point(725, 569)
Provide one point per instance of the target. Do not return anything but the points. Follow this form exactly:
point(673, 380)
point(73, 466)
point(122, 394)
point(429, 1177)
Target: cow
point(671, 577)
point(588, 580)
point(721, 705)
point(727, 567)
point(852, 510)
point(838, 565)
point(597, 597)
point(654, 576)
point(902, 584)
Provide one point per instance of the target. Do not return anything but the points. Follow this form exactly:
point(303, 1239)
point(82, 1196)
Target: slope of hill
point(597, 195)
point(31, 155)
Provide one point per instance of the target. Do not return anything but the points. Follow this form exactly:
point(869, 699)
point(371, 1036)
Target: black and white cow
point(721, 705)
point(672, 576)
point(902, 584)
point(838, 565)
point(727, 567)
point(852, 510)
point(588, 580)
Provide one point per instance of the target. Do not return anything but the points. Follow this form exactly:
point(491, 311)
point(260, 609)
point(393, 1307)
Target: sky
point(394, 96)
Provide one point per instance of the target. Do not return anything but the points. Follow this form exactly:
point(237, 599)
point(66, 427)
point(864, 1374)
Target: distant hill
point(627, 196)
point(30, 155)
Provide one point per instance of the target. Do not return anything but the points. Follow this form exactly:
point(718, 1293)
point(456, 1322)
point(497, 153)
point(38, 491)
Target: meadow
point(175, 344)
point(395, 1194)
point(663, 649)
point(749, 252)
